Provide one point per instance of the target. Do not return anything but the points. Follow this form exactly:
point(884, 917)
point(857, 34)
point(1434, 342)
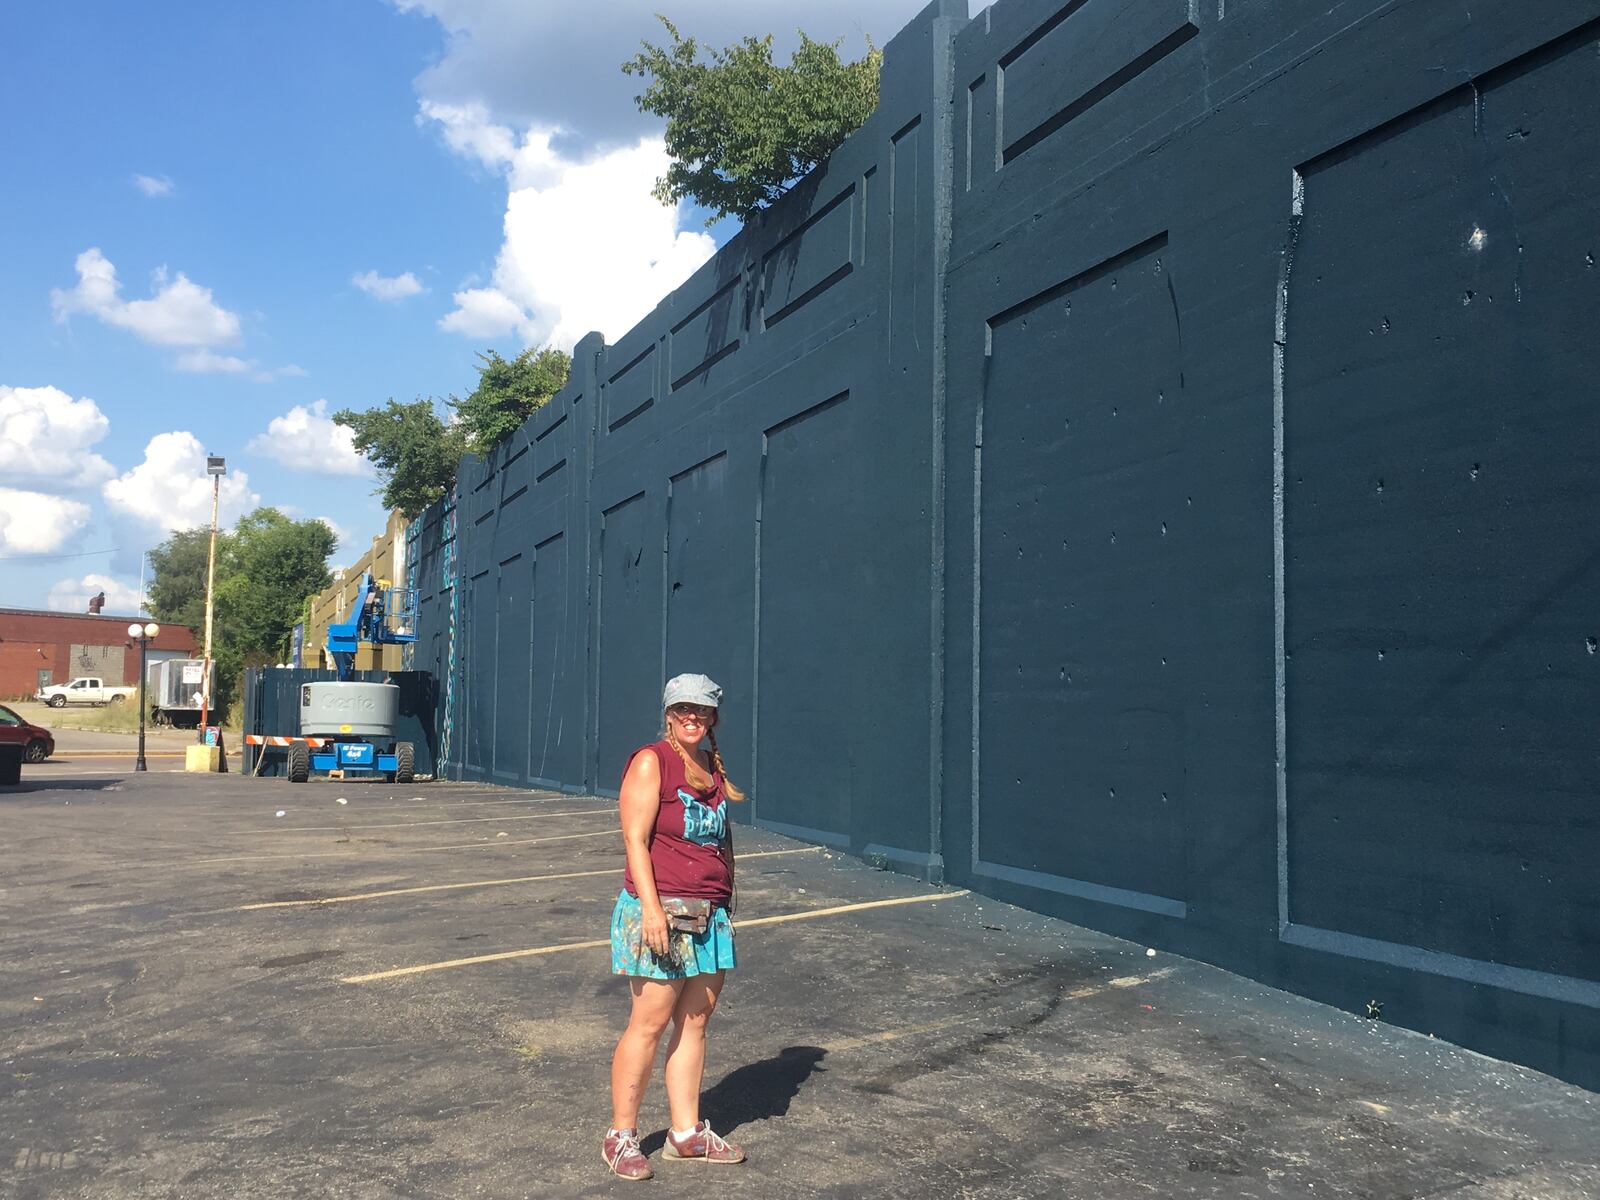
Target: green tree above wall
point(415, 452)
point(509, 391)
point(742, 131)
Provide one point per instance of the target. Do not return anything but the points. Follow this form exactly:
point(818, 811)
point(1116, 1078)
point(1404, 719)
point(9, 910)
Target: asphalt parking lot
point(406, 995)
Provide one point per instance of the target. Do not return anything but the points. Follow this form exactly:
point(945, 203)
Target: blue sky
point(223, 222)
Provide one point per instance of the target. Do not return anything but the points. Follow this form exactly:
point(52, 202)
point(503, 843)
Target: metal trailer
point(174, 689)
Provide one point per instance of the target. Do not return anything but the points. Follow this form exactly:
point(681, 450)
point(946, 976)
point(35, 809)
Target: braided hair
point(696, 774)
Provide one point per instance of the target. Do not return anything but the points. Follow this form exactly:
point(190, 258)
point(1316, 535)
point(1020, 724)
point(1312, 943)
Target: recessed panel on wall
point(819, 587)
point(1084, 613)
point(629, 649)
point(810, 260)
point(907, 300)
point(707, 599)
point(1080, 58)
point(512, 607)
point(515, 476)
point(477, 704)
point(550, 450)
point(554, 713)
point(708, 334)
point(1441, 554)
point(630, 392)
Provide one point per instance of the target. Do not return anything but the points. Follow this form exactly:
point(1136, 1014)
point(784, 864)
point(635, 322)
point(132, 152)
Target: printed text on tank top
point(687, 855)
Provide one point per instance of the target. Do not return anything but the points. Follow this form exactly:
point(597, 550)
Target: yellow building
point(386, 559)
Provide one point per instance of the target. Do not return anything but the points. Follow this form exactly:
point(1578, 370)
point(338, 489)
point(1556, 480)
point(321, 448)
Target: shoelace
point(625, 1142)
point(713, 1142)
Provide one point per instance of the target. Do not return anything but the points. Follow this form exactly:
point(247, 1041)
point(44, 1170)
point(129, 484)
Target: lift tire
point(57, 701)
point(116, 700)
point(405, 760)
point(299, 762)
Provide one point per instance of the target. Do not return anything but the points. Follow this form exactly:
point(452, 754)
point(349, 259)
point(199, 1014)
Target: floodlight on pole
point(142, 634)
point(216, 467)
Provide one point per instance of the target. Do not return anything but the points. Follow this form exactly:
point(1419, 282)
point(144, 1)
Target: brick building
point(39, 648)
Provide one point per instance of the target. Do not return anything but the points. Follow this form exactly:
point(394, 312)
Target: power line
point(55, 557)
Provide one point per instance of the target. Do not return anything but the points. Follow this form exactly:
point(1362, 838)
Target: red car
point(37, 742)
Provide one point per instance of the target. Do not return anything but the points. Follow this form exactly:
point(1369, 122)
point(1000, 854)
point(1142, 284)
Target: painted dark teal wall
point(1147, 475)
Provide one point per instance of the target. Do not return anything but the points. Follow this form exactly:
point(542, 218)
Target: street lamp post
point(216, 467)
point(142, 634)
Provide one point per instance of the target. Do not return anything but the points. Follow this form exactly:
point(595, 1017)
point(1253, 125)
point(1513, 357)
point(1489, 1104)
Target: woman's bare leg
point(654, 1001)
point(686, 1052)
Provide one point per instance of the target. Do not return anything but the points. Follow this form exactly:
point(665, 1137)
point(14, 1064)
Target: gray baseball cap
point(691, 689)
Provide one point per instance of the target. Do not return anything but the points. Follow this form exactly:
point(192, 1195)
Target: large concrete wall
point(1146, 475)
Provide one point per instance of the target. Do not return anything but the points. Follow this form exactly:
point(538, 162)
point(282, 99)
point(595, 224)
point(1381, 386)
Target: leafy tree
point(277, 563)
point(266, 567)
point(508, 392)
point(741, 131)
point(415, 452)
point(178, 570)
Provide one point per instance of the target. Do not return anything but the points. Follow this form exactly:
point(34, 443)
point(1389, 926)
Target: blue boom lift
point(353, 721)
point(369, 623)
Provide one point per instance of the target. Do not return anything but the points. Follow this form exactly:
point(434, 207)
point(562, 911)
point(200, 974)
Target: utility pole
point(216, 467)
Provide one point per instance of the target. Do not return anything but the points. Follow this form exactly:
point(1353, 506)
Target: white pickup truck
point(83, 690)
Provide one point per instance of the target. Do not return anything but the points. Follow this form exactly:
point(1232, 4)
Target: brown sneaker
point(702, 1145)
point(622, 1154)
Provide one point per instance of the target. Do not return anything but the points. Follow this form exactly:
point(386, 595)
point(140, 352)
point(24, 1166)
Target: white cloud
point(154, 185)
point(532, 64)
point(387, 287)
point(179, 313)
point(526, 92)
point(287, 371)
point(170, 489)
point(45, 437)
point(34, 523)
point(207, 361)
point(340, 533)
point(471, 132)
point(484, 312)
point(586, 247)
point(306, 439)
point(73, 595)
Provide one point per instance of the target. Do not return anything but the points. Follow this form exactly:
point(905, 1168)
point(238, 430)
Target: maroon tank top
point(687, 851)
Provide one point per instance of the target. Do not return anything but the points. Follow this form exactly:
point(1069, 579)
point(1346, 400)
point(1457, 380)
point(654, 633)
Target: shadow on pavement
point(758, 1091)
point(56, 785)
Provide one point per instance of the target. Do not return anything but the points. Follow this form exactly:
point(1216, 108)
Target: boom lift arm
point(369, 623)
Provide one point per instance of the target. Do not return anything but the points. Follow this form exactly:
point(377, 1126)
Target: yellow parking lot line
point(591, 812)
point(504, 955)
point(116, 753)
point(477, 883)
point(487, 845)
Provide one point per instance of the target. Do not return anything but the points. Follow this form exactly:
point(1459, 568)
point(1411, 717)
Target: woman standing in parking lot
point(670, 931)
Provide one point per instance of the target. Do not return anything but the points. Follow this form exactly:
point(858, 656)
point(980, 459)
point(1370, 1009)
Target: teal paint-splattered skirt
point(692, 954)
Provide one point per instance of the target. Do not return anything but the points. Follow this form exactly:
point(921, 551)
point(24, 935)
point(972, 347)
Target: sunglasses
point(691, 712)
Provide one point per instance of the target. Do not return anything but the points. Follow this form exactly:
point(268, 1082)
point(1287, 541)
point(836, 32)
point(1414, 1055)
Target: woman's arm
point(639, 802)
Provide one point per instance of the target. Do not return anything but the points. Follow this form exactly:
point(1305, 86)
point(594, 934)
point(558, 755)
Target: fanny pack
point(686, 915)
